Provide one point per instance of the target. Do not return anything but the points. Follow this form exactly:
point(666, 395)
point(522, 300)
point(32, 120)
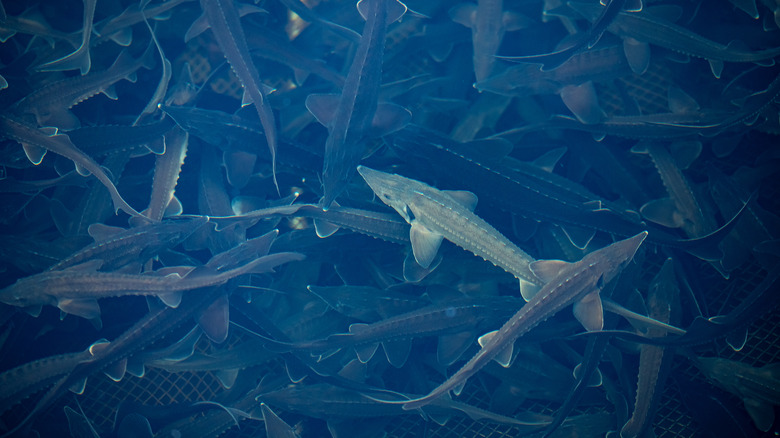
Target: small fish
point(759, 388)
point(584, 40)
point(51, 103)
point(438, 214)
point(573, 80)
point(76, 289)
point(644, 27)
point(655, 362)
point(681, 209)
point(759, 301)
point(330, 402)
point(20, 382)
point(119, 28)
point(456, 322)
point(488, 22)
point(355, 115)
point(30, 22)
point(223, 17)
point(577, 283)
point(111, 357)
point(37, 141)
point(126, 249)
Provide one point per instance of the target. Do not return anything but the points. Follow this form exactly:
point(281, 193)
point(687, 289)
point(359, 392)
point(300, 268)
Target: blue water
point(663, 125)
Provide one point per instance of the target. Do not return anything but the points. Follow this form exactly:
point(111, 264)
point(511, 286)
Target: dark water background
point(428, 69)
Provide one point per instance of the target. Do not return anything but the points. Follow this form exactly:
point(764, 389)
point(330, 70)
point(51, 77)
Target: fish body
point(36, 142)
point(119, 248)
point(51, 103)
point(576, 283)
point(75, 290)
point(349, 117)
point(645, 27)
point(597, 65)
point(223, 17)
point(759, 388)
point(462, 316)
point(488, 22)
point(435, 214)
point(584, 40)
point(654, 362)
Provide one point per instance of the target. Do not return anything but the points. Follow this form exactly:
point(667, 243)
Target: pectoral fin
point(425, 244)
point(737, 338)
point(451, 347)
point(583, 102)
point(215, 320)
point(594, 380)
point(85, 308)
point(413, 272)
point(664, 212)
point(227, 377)
point(763, 414)
point(638, 55)
point(239, 166)
point(397, 352)
point(171, 299)
point(589, 313)
point(528, 290)
point(505, 357)
point(34, 153)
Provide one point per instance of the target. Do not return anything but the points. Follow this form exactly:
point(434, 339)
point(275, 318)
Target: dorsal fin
point(547, 270)
point(98, 346)
point(87, 266)
point(685, 152)
point(549, 159)
point(681, 102)
point(484, 339)
point(464, 198)
point(102, 232)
